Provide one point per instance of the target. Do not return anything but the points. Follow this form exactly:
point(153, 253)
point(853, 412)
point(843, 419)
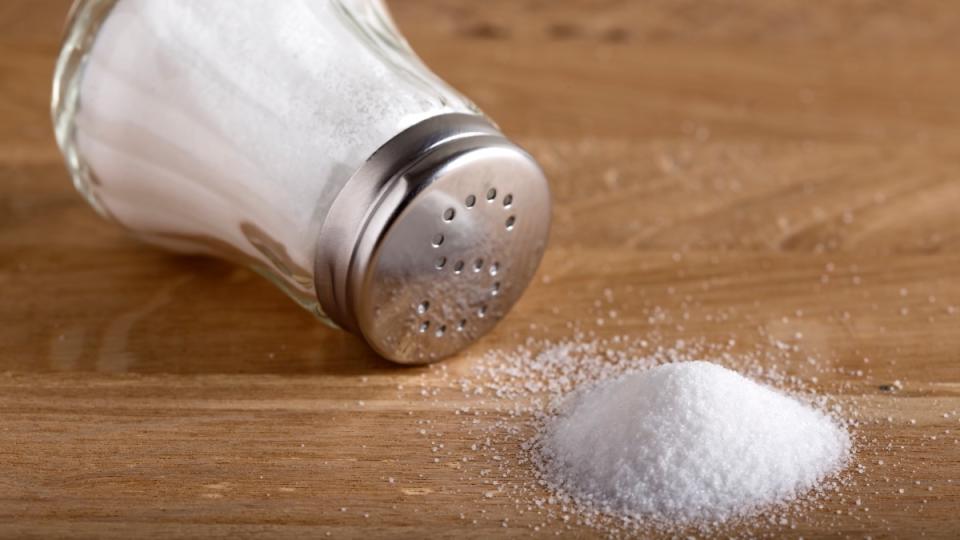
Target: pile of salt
point(687, 442)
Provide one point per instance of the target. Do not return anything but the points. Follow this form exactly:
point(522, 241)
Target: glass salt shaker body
point(306, 140)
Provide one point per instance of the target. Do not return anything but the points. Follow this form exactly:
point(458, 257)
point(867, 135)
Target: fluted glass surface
point(229, 126)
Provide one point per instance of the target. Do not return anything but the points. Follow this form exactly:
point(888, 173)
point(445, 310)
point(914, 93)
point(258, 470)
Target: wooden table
point(793, 165)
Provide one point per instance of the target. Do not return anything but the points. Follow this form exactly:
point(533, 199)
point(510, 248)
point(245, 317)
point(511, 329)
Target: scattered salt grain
point(687, 442)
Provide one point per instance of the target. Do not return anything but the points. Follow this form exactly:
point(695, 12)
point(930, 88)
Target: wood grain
point(767, 170)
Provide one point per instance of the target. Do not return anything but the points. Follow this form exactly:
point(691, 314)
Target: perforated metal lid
point(434, 240)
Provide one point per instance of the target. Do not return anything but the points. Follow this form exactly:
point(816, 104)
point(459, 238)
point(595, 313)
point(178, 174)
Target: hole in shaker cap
point(471, 200)
point(423, 307)
point(424, 326)
point(461, 325)
point(478, 265)
point(494, 268)
point(508, 200)
point(442, 329)
point(495, 289)
point(482, 312)
point(437, 240)
point(457, 268)
point(449, 214)
point(440, 262)
point(510, 222)
point(491, 194)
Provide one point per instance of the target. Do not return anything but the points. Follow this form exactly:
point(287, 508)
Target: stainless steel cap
point(434, 239)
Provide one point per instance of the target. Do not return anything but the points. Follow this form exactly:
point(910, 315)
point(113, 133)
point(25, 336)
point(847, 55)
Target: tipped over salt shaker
point(306, 140)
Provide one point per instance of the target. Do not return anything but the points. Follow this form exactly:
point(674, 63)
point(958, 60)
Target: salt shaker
point(304, 139)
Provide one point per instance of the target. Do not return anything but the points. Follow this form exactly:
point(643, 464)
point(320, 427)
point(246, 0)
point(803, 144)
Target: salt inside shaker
point(304, 139)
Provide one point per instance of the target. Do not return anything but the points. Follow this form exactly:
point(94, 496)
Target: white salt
point(217, 111)
point(687, 442)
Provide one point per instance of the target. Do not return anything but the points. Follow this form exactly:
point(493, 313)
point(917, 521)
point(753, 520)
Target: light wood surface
point(734, 161)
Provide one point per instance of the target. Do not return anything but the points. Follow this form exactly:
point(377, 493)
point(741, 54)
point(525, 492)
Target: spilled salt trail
point(687, 442)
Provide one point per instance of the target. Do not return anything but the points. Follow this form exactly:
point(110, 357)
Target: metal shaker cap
point(434, 239)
